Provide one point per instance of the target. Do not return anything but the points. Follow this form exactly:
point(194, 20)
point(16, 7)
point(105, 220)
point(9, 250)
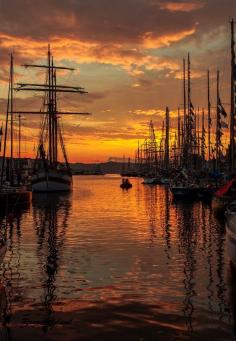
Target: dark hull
point(184, 192)
point(10, 200)
point(52, 181)
point(125, 186)
point(206, 194)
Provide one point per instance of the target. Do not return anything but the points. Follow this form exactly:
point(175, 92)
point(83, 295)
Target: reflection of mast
point(51, 215)
point(167, 138)
point(188, 238)
point(210, 258)
point(151, 209)
point(167, 223)
point(220, 272)
point(11, 265)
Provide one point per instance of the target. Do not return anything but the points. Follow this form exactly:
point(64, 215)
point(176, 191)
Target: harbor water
point(104, 263)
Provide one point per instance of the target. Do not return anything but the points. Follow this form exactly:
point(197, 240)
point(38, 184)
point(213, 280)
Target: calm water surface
point(107, 264)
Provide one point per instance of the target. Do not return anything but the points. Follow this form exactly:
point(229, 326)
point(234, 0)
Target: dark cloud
point(108, 20)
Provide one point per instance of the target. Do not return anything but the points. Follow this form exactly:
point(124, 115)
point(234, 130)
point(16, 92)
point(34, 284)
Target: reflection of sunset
point(131, 253)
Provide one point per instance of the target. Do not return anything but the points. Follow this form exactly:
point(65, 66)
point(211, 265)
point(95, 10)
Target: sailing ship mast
point(203, 144)
point(167, 139)
point(197, 134)
point(218, 119)
point(152, 149)
point(184, 153)
point(184, 94)
point(190, 117)
point(209, 115)
point(179, 131)
point(51, 122)
point(9, 171)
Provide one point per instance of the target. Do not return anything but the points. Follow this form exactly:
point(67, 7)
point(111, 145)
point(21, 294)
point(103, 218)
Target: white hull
point(51, 182)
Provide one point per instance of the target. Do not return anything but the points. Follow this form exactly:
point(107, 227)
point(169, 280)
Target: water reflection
point(50, 213)
point(167, 232)
point(130, 260)
point(10, 280)
point(200, 241)
point(151, 206)
point(187, 230)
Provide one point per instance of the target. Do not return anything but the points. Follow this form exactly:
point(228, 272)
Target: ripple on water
point(107, 263)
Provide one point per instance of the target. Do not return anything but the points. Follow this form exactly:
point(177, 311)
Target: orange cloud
point(134, 61)
point(181, 6)
point(150, 41)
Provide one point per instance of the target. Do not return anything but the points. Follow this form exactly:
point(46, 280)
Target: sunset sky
point(128, 55)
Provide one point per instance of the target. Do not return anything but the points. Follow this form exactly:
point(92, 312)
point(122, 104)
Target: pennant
point(224, 125)
point(221, 109)
point(223, 112)
point(191, 119)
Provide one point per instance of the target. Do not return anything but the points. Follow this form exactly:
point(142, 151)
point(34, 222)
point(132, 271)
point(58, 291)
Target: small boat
point(184, 191)
point(151, 181)
point(223, 197)
point(164, 181)
point(126, 184)
point(183, 187)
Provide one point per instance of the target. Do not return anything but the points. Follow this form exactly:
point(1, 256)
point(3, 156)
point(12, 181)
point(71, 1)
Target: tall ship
point(50, 174)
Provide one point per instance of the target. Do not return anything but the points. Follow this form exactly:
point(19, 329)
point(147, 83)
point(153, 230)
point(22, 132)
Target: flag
point(221, 109)
point(191, 119)
point(224, 125)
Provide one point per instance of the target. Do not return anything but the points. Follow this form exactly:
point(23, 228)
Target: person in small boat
point(125, 182)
